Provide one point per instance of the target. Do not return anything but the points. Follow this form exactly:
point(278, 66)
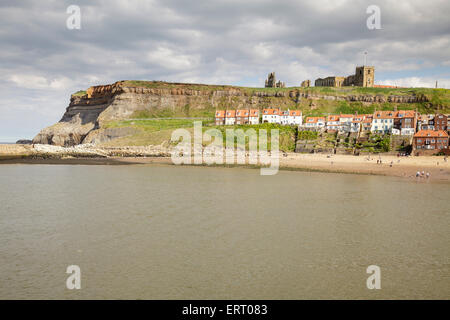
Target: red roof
point(384, 114)
point(431, 133)
point(314, 119)
point(333, 118)
point(254, 112)
point(220, 113)
point(242, 113)
point(405, 114)
point(231, 114)
point(295, 113)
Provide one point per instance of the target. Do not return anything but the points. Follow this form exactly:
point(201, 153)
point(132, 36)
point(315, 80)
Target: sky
point(230, 42)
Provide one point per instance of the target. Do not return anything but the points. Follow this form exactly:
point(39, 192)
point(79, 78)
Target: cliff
point(87, 116)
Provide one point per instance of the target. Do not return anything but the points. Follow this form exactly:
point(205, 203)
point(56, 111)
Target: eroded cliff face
point(86, 115)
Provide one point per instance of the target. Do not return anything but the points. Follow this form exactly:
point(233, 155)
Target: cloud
point(416, 82)
point(30, 81)
point(167, 58)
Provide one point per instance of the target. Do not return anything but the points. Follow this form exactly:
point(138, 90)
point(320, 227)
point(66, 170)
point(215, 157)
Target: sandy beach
point(377, 164)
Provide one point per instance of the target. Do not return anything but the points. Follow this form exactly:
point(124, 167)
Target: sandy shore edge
point(405, 167)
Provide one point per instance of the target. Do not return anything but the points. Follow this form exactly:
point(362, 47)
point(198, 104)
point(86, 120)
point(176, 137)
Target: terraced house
point(242, 116)
point(271, 116)
point(383, 122)
point(430, 142)
point(230, 117)
point(332, 123)
point(405, 122)
point(316, 123)
point(220, 117)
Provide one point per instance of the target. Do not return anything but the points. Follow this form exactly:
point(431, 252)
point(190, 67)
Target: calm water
point(162, 232)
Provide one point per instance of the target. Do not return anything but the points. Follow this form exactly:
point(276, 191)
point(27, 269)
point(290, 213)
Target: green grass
point(79, 93)
point(287, 134)
point(159, 131)
point(154, 124)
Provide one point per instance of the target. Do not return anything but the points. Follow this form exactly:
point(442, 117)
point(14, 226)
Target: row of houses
point(403, 122)
point(252, 116)
point(430, 133)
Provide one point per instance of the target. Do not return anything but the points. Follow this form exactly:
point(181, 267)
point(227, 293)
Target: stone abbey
point(271, 82)
point(364, 77)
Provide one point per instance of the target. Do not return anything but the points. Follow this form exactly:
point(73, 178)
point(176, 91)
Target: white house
point(271, 116)
point(382, 122)
point(295, 117)
point(345, 122)
point(356, 125)
point(333, 123)
point(284, 117)
point(230, 117)
point(314, 123)
point(254, 116)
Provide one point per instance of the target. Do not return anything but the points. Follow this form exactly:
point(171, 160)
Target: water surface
point(164, 232)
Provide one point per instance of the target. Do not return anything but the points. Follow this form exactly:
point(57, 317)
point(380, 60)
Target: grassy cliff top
point(342, 91)
point(442, 94)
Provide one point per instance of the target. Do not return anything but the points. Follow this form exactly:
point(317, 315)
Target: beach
point(374, 164)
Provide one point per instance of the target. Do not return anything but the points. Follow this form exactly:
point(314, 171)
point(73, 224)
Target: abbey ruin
point(364, 77)
point(271, 82)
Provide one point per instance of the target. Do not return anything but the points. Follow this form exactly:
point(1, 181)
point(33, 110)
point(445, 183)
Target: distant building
point(330, 82)
point(306, 83)
point(405, 122)
point(271, 116)
point(364, 77)
point(295, 117)
point(317, 123)
point(367, 123)
point(220, 117)
point(441, 122)
point(383, 122)
point(430, 141)
point(357, 123)
point(230, 117)
point(345, 122)
point(332, 123)
point(426, 122)
point(242, 116)
point(254, 116)
point(271, 82)
point(291, 117)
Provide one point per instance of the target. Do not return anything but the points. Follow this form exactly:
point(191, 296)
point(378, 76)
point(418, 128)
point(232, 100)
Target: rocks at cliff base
point(108, 134)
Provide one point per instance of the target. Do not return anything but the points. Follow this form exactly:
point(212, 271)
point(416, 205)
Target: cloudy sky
point(212, 41)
